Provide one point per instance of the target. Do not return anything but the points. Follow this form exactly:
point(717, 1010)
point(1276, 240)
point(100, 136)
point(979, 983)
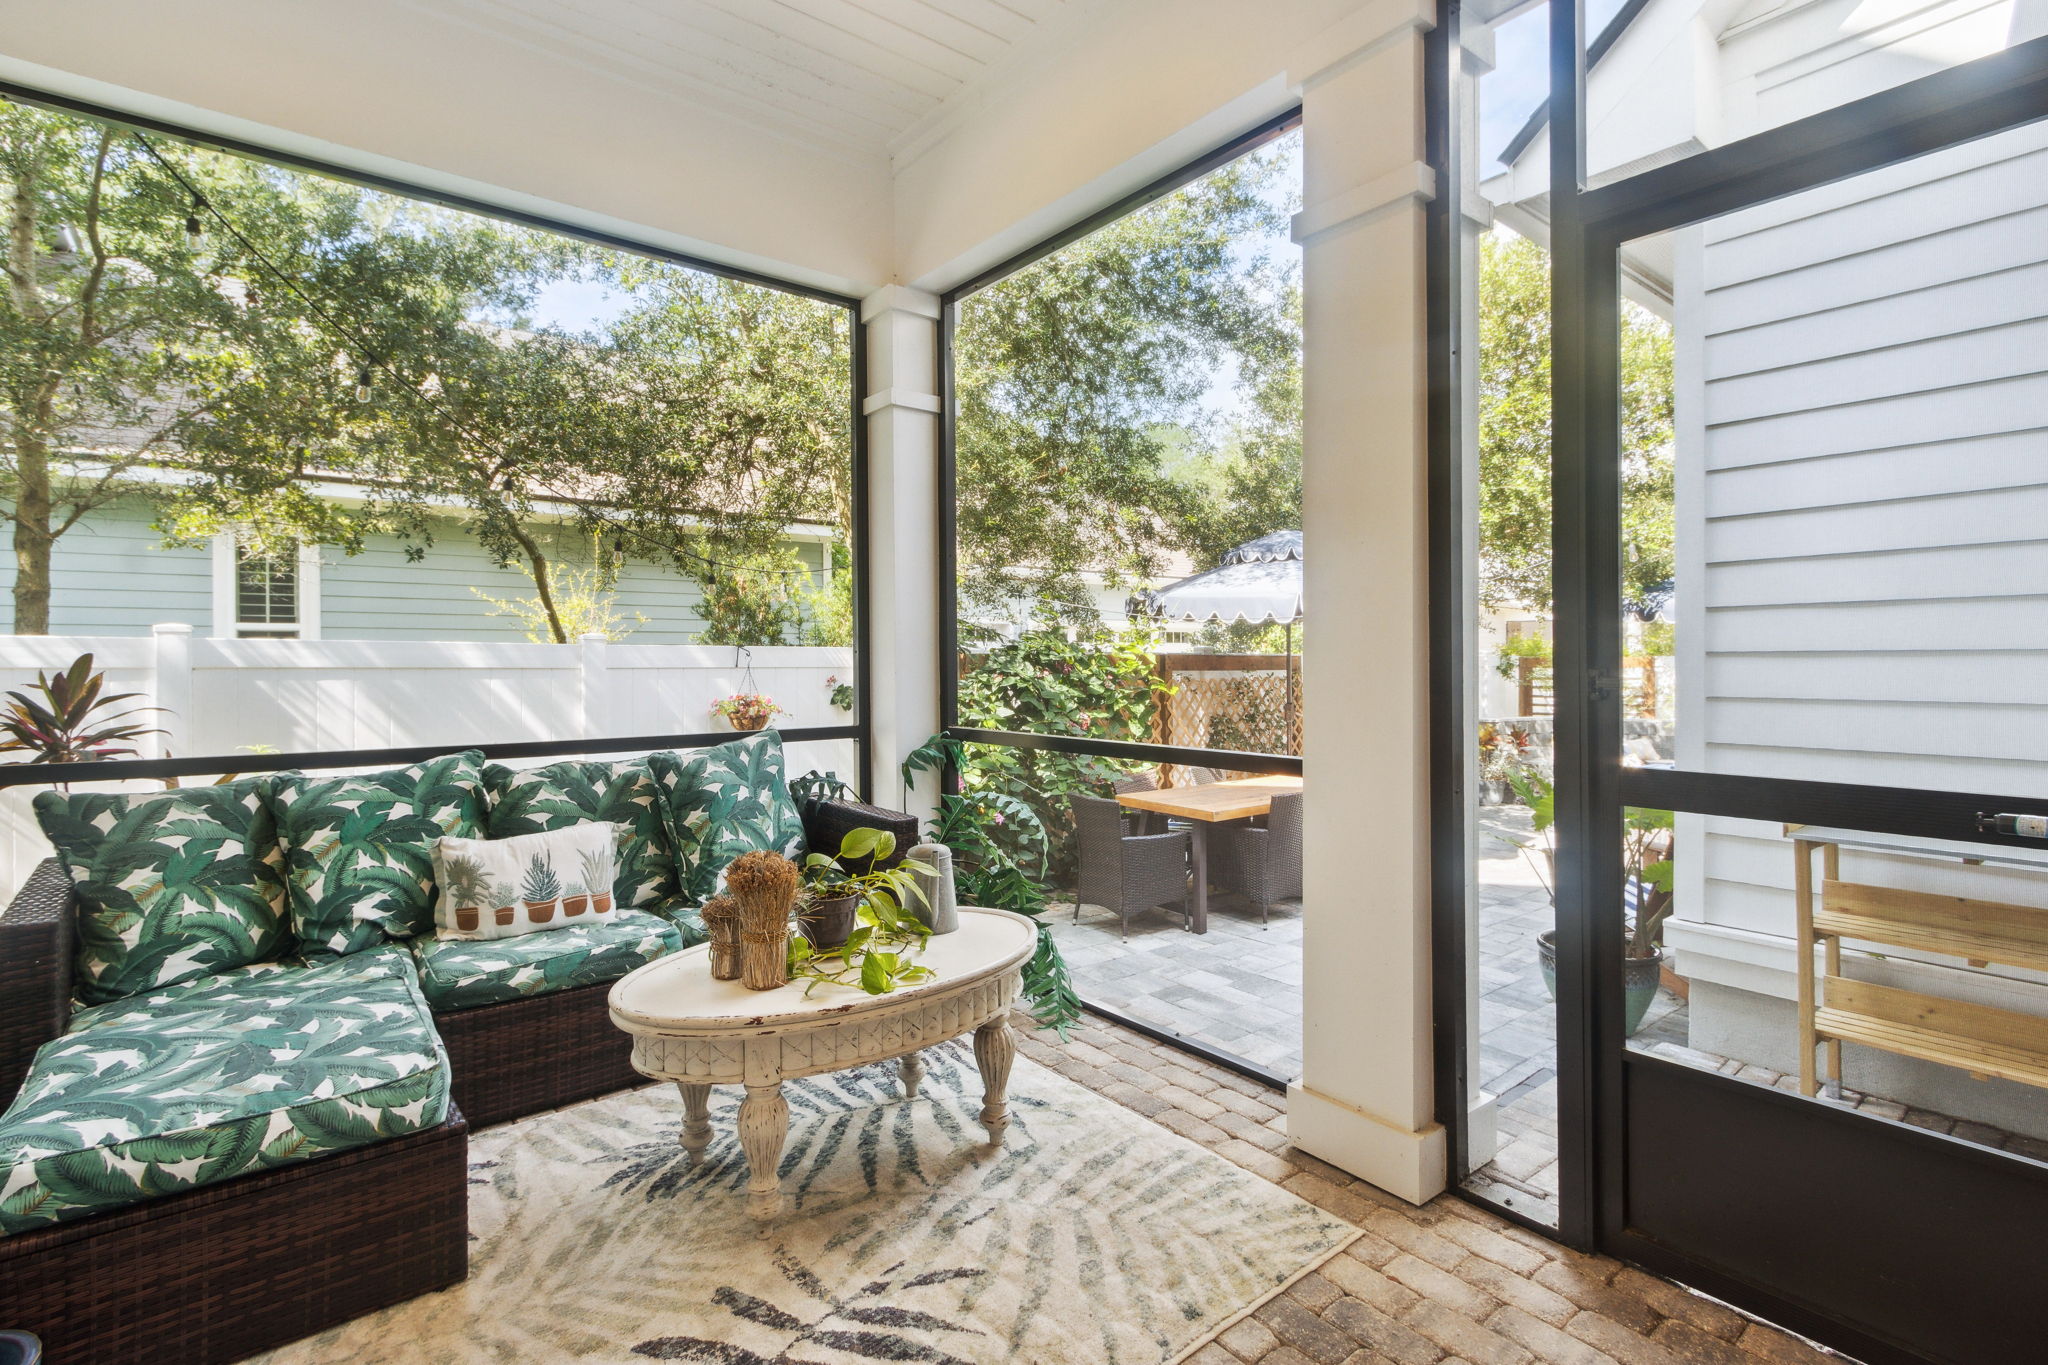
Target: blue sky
point(575, 305)
point(1521, 76)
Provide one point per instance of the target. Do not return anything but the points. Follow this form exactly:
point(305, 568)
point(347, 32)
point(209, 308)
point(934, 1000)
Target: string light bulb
point(363, 389)
point(67, 241)
point(195, 230)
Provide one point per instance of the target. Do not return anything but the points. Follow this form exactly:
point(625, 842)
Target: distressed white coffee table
point(698, 1032)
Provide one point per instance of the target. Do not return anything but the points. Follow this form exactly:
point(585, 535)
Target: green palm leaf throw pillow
point(575, 793)
point(722, 802)
point(171, 886)
point(359, 850)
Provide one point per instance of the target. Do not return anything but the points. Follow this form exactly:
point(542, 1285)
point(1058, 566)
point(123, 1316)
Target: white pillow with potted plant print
point(498, 888)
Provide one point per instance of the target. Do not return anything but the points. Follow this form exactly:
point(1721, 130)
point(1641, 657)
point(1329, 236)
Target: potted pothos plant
point(833, 896)
point(747, 711)
point(1647, 872)
point(878, 940)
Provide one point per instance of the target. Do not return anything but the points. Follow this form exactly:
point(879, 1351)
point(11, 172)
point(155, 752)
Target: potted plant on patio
point(747, 711)
point(1647, 879)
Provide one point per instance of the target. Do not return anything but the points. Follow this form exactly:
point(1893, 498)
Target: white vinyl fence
point(296, 696)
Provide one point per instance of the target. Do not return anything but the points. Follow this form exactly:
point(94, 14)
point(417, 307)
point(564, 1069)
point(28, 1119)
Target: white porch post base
point(1482, 1127)
point(1412, 1165)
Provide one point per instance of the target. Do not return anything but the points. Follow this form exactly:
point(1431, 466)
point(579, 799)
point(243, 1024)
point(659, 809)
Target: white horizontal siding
point(1980, 246)
point(1963, 411)
point(1994, 298)
point(2000, 459)
point(2009, 677)
point(1863, 519)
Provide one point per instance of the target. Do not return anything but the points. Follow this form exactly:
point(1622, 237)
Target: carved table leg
point(912, 1067)
point(696, 1119)
point(764, 1124)
point(993, 1049)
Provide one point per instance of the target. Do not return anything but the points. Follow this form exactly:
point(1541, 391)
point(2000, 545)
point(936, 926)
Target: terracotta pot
point(504, 913)
point(575, 905)
point(466, 918)
point(540, 912)
point(601, 903)
point(828, 923)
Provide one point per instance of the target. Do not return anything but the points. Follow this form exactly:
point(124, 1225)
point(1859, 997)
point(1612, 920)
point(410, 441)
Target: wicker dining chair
point(1127, 872)
point(1263, 862)
point(1144, 821)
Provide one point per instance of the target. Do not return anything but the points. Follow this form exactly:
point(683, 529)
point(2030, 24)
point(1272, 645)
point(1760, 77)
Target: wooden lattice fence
point(1248, 702)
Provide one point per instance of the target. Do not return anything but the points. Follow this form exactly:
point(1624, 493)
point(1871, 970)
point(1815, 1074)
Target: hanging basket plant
point(747, 711)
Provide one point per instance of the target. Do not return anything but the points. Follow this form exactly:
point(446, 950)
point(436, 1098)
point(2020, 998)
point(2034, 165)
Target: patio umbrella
point(1258, 581)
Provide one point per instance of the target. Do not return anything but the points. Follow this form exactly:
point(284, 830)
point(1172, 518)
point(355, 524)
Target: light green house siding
point(111, 575)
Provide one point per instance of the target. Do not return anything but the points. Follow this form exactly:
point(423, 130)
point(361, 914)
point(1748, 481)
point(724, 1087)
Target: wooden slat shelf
point(1980, 1039)
point(1980, 932)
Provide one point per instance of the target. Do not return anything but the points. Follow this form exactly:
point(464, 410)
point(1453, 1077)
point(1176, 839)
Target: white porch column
point(902, 407)
point(1365, 1100)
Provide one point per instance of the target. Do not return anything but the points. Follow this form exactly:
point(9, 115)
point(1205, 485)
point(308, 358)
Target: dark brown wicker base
point(526, 1056)
point(223, 1272)
point(35, 971)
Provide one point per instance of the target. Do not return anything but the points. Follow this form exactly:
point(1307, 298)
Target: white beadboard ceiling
point(878, 76)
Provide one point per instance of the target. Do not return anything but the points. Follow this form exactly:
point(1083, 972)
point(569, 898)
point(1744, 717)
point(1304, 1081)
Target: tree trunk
point(32, 536)
point(539, 564)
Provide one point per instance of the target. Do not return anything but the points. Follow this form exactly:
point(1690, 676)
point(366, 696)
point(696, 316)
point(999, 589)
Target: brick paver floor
point(1445, 1284)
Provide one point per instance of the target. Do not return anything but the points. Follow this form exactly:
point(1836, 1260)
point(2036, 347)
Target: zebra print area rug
point(1093, 1235)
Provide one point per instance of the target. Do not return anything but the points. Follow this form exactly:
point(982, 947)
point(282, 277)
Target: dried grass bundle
point(765, 885)
point(722, 925)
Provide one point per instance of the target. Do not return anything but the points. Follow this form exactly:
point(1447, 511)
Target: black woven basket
point(827, 823)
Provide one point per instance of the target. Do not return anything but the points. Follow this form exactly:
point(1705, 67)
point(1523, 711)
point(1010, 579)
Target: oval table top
point(676, 994)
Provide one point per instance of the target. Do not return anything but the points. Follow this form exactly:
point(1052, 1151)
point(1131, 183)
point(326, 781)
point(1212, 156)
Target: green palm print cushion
point(207, 991)
point(456, 973)
point(288, 1066)
point(564, 794)
point(171, 886)
point(359, 850)
point(722, 802)
point(684, 916)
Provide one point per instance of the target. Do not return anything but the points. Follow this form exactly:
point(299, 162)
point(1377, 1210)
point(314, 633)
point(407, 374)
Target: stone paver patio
point(1238, 988)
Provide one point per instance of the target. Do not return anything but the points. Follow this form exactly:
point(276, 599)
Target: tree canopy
point(320, 337)
point(1084, 443)
point(1514, 434)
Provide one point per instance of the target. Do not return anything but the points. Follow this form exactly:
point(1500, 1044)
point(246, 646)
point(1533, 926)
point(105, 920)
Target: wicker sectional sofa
point(240, 1157)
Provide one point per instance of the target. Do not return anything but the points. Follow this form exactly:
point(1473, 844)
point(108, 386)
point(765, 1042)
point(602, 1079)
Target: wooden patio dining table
point(1211, 803)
